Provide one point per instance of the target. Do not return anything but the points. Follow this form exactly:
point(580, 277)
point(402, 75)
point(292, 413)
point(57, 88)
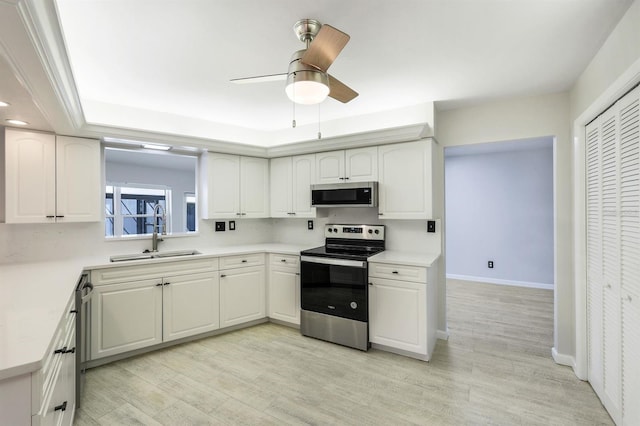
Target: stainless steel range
point(334, 290)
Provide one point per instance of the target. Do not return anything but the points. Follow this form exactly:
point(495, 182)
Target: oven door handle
point(332, 261)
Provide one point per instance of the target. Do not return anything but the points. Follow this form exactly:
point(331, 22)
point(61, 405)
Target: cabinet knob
point(370, 283)
point(222, 275)
point(60, 407)
point(628, 298)
point(298, 273)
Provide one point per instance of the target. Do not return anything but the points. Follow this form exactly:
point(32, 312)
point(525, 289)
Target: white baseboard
point(501, 282)
point(442, 334)
point(563, 359)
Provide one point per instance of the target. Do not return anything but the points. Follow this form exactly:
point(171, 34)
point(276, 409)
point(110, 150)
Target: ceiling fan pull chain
point(319, 133)
point(293, 123)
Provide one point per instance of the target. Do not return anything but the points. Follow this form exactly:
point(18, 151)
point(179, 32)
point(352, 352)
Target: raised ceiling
point(164, 66)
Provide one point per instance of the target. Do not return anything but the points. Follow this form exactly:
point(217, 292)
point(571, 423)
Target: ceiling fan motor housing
point(308, 79)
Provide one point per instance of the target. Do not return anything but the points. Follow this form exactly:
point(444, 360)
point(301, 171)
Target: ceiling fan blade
point(260, 79)
point(340, 91)
point(325, 47)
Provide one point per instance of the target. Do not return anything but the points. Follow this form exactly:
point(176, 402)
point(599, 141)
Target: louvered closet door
point(611, 260)
point(594, 257)
point(629, 112)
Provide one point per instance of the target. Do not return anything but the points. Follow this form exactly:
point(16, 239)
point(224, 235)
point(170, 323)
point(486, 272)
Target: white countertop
point(33, 297)
point(425, 260)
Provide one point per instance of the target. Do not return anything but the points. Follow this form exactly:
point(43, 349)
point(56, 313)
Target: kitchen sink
point(147, 256)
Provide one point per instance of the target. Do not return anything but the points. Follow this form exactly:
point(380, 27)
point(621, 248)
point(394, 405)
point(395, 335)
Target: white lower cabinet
point(402, 309)
point(284, 288)
point(48, 395)
point(190, 305)
point(141, 306)
point(242, 295)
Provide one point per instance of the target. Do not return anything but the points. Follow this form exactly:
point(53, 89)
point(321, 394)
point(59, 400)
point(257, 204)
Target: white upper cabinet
point(351, 165)
point(50, 179)
point(254, 187)
point(78, 181)
point(234, 186)
point(405, 180)
point(291, 179)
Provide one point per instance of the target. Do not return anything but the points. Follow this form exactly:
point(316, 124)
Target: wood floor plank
point(496, 368)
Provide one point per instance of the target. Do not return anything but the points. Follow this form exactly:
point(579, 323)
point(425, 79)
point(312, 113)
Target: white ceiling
point(163, 66)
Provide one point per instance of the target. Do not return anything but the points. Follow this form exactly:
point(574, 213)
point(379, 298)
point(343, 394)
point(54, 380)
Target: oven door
point(335, 287)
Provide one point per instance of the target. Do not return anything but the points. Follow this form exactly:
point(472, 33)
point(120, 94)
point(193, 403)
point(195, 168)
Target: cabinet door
point(191, 305)
point(242, 295)
point(254, 187)
point(125, 316)
point(30, 189)
point(281, 187)
point(361, 165)
point(78, 180)
point(223, 186)
point(304, 172)
point(398, 314)
point(405, 180)
point(330, 167)
point(284, 295)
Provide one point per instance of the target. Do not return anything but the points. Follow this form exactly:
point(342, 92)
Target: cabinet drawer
point(284, 260)
point(241, 260)
point(64, 339)
point(398, 272)
point(153, 270)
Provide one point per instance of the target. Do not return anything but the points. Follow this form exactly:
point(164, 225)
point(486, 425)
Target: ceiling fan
point(307, 79)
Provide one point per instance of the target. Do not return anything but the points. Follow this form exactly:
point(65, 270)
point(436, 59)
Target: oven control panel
point(359, 232)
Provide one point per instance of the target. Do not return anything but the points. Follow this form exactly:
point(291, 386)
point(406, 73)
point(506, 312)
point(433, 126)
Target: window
point(138, 180)
point(129, 210)
point(190, 211)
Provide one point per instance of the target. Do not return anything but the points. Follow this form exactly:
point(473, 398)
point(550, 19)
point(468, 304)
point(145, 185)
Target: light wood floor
point(496, 368)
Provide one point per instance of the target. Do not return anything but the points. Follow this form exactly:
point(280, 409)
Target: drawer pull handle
point(60, 215)
point(395, 272)
point(61, 350)
point(50, 216)
point(61, 407)
point(244, 260)
point(283, 260)
point(222, 275)
point(159, 285)
point(166, 283)
point(73, 311)
point(70, 351)
point(298, 273)
point(370, 283)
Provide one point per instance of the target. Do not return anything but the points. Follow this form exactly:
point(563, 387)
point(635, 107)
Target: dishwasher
point(84, 290)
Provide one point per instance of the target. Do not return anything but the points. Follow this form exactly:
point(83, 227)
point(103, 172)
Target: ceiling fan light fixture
point(307, 91)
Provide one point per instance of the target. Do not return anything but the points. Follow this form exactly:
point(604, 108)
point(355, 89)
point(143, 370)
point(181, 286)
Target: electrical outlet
point(232, 225)
point(219, 226)
point(431, 226)
point(490, 264)
point(309, 224)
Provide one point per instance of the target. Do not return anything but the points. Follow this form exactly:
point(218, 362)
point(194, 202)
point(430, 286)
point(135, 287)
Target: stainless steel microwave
point(352, 194)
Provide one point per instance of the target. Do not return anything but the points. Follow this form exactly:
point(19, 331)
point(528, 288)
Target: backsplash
point(21, 243)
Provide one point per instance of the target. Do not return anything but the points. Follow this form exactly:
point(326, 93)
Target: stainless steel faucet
point(154, 238)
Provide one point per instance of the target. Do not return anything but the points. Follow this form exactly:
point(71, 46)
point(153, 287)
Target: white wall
point(522, 118)
point(614, 70)
point(500, 208)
